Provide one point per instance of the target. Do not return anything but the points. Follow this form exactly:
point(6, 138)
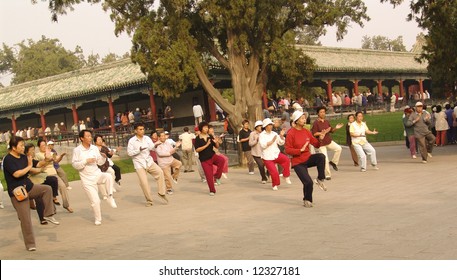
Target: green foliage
point(35, 60)
point(383, 43)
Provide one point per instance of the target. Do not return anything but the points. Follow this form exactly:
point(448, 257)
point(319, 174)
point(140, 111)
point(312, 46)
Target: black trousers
point(301, 170)
point(117, 172)
point(261, 167)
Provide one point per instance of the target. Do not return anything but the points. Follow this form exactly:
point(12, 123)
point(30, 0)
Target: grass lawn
point(389, 126)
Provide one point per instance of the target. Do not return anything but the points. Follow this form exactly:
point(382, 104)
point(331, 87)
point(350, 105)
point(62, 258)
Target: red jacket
point(294, 142)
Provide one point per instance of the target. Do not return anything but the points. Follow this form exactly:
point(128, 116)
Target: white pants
point(91, 185)
point(336, 156)
point(369, 150)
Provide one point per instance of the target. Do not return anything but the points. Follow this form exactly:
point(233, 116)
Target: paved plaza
point(405, 210)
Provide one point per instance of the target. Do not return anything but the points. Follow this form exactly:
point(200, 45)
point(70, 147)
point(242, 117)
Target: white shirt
point(198, 111)
point(271, 152)
point(358, 129)
point(141, 159)
point(186, 139)
point(87, 171)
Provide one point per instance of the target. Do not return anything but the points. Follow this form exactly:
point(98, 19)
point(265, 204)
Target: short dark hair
point(14, 141)
point(321, 108)
point(28, 146)
point(244, 121)
point(41, 140)
point(358, 112)
point(97, 136)
point(202, 124)
point(82, 132)
point(136, 125)
point(186, 129)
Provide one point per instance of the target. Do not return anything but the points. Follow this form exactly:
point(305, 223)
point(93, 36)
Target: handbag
point(20, 193)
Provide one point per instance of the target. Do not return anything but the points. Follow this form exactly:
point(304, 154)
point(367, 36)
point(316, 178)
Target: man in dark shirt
point(321, 127)
point(244, 140)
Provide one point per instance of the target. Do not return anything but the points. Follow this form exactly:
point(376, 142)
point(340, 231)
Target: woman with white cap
point(297, 145)
point(271, 155)
point(256, 150)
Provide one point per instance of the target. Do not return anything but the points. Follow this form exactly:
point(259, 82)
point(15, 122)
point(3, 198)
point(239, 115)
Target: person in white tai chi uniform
point(86, 157)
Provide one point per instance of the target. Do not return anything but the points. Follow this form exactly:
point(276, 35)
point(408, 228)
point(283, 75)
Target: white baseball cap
point(419, 104)
point(50, 143)
point(257, 123)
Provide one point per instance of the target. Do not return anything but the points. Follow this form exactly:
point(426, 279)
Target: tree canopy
point(30, 60)
point(439, 19)
point(176, 42)
point(383, 43)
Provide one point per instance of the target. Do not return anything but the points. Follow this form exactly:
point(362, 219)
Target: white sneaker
point(414, 156)
point(429, 155)
point(307, 203)
point(280, 175)
point(288, 181)
point(275, 188)
point(1, 206)
point(51, 219)
point(97, 223)
point(251, 173)
point(224, 175)
point(363, 170)
point(264, 182)
point(69, 188)
point(31, 249)
point(321, 184)
point(375, 167)
point(204, 180)
point(111, 201)
point(174, 181)
point(211, 194)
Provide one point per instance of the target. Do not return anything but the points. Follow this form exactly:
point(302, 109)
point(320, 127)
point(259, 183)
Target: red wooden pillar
point(212, 109)
point(43, 120)
point(13, 124)
point(111, 114)
point(265, 99)
point(380, 87)
point(329, 91)
point(402, 89)
point(356, 87)
point(75, 114)
point(152, 104)
point(421, 89)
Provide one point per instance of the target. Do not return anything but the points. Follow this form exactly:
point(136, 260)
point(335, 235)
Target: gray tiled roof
point(361, 60)
point(124, 73)
point(99, 79)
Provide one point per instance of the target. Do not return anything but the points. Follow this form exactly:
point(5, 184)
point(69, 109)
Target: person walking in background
point(198, 113)
point(86, 158)
point(297, 145)
point(16, 167)
point(322, 127)
point(441, 126)
point(269, 142)
point(359, 130)
point(139, 147)
point(351, 119)
point(243, 136)
point(420, 120)
point(256, 150)
point(187, 149)
point(450, 121)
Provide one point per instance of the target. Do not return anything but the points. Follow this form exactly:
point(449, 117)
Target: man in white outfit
point(86, 157)
point(139, 148)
